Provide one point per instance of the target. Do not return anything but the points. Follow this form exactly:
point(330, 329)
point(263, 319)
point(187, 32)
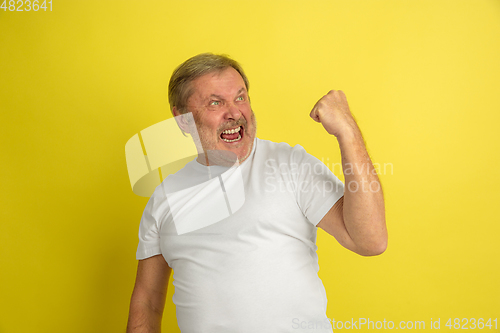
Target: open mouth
point(232, 135)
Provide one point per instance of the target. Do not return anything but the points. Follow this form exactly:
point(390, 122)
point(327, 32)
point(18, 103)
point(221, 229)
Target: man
point(255, 271)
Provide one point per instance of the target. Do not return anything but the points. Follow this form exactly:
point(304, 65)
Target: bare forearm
point(364, 212)
point(359, 220)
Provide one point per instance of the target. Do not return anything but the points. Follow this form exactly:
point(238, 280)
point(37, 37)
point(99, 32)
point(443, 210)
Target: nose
point(232, 112)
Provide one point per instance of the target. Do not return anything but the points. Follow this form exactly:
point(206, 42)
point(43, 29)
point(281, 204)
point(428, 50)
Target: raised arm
point(357, 220)
point(148, 297)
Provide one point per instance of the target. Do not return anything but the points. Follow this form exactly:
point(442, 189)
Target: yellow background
point(421, 77)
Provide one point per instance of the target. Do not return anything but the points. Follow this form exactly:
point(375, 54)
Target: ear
point(181, 119)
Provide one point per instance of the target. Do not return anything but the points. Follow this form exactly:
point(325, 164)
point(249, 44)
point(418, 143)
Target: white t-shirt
point(256, 270)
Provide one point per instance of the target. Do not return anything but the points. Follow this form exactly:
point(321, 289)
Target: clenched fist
point(332, 111)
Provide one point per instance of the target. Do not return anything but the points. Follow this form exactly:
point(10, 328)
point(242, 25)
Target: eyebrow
point(220, 97)
point(242, 89)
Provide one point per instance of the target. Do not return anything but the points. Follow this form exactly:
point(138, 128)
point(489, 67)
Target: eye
point(240, 98)
point(215, 103)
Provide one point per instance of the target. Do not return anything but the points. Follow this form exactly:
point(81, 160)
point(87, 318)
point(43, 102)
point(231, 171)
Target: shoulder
point(281, 157)
point(280, 150)
point(156, 200)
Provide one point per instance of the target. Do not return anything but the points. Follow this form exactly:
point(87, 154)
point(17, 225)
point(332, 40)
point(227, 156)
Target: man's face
point(222, 113)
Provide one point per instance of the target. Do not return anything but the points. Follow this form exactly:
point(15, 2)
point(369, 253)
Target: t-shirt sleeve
point(317, 189)
point(149, 236)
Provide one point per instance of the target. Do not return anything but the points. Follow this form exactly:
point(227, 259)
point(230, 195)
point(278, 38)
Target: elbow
point(376, 244)
point(375, 248)
point(373, 251)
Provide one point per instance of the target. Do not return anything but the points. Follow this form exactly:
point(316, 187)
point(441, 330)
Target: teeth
point(239, 137)
point(232, 131)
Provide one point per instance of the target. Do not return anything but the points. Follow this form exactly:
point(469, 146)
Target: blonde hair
point(179, 88)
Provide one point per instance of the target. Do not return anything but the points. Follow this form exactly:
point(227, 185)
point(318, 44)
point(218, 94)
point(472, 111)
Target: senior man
point(257, 270)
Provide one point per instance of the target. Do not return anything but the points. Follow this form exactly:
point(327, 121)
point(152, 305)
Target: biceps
point(152, 278)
